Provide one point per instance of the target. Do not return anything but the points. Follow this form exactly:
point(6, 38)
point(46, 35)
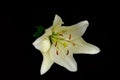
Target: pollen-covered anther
point(55, 43)
point(73, 44)
point(61, 34)
point(57, 52)
point(70, 36)
point(67, 52)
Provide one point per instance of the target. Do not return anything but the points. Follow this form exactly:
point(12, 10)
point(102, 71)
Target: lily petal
point(46, 63)
point(80, 27)
point(56, 25)
point(42, 43)
point(57, 21)
point(83, 47)
point(74, 31)
point(62, 58)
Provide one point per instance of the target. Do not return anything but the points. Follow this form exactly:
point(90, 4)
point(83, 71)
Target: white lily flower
point(59, 43)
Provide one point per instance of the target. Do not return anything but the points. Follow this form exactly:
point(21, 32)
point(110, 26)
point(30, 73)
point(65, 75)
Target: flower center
point(60, 43)
point(59, 38)
point(56, 38)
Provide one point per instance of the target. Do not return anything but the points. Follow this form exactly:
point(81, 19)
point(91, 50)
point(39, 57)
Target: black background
point(22, 61)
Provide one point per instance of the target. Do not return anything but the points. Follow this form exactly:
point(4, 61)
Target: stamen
point(61, 34)
point(67, 52)
point(57, 52)
point(69, 36)
point(73, 44)
point(55, 43)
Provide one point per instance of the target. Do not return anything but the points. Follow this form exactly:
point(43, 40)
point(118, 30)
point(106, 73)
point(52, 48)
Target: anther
point(61, 34)
point(69, 36)
point(57, 52)
point(55, 43)
point(67, 52)
point(73, 44)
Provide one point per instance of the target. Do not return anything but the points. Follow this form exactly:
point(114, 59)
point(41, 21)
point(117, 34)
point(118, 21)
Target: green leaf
point(40, 31)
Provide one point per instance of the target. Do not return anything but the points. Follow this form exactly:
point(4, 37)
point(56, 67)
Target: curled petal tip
point(58, 20)
point(74, 69)
point(95, 51)
point(85, 22)
point(42, 72)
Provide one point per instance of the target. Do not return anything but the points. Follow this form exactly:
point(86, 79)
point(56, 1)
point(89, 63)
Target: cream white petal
point(60, 57)
point(74, 31)
point(55, 26)
point(83, 47)
point(81, 27)
point(46, 63)
point(57, 21)
point(42, 43)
